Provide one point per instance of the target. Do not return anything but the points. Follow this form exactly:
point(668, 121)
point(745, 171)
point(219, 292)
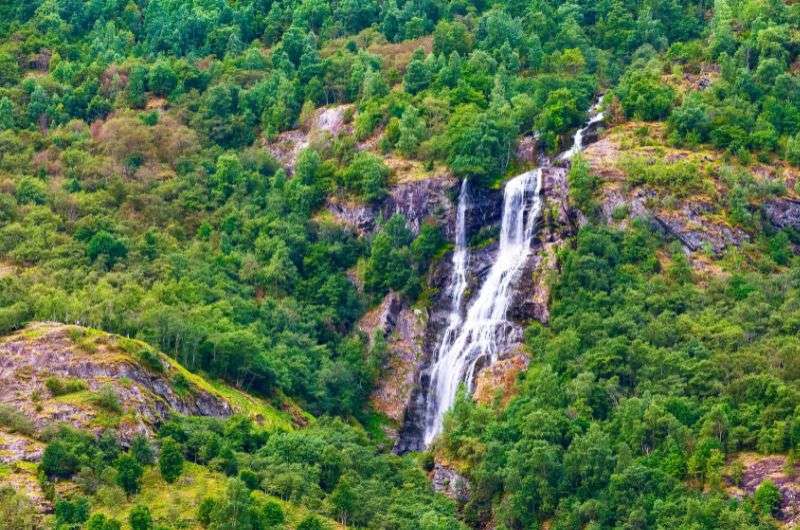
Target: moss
point(255, 408)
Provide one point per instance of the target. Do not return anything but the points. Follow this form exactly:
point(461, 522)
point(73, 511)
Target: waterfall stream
point(479, 337)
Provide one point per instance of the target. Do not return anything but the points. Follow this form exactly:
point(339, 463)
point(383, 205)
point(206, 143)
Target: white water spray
point(479, 335)
point(577, 140)
point(458, 279)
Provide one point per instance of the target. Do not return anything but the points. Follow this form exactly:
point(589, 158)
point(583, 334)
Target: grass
point(175, 505)
point(256, 408)
point(130, 350)
point(172, 504)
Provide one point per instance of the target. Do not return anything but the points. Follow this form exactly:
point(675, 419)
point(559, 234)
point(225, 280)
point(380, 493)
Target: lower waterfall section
point(471, 340)
point(481, 335)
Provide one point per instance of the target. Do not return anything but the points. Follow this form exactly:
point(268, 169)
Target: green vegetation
point(138, 196)
point(660, 379)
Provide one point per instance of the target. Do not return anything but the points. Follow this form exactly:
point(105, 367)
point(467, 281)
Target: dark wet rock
point(421, 200)
point(783, 213)
point(450, 483)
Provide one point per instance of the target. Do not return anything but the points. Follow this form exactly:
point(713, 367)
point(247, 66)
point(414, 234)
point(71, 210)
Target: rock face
point(692, 222)
point(449, 482)
point(783, 213)
point(416, 200)
point(695, 233)
point(326, 123)
point(422, 199)
point(403, 329)
point(500, 379)
point(759, 468)
point(94, 360)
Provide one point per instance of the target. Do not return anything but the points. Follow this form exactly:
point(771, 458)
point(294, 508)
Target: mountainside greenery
point(140, 194)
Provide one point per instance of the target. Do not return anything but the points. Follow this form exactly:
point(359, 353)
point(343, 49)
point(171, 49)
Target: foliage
point(170, 460)
point(652, 369)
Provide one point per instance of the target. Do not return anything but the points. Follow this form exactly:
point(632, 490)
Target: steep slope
point(54, 373)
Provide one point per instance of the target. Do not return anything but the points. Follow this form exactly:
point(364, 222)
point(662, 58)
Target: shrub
point(151, 360)
point(14, 421)
point(767, 497)
point(107, 399)
point(140, 518)
point(61, 386)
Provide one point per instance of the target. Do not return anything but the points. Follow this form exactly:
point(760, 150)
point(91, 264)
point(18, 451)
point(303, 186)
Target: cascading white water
point(577, 140)
point(458, 279)
point(480, 334)
point(478, 337)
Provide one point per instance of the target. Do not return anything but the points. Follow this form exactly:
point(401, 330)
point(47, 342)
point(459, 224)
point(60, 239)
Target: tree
point(16, 511)
point(479, 144)
point(71, 512)
point(412, 131)
point(449, 37)
point(582, 185)
point(367, 175)
point(99, 521)
point(140, 518)
point(129, 473)
point(108, 246)
point(170, 460)
point(643, 95)
point(141, 450)
point(767, 497)
point(236, 510)
point(418, 75)
point(162, 79)
point(6, 113)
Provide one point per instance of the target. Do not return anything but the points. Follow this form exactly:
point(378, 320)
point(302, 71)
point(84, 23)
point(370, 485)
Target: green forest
point(139, 197)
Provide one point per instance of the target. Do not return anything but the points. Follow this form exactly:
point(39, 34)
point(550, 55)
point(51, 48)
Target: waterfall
point(577, 140)
point(479, 337)
point(458, 279)
point(485, 321)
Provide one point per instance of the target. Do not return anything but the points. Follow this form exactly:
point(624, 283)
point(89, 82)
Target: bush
point(61, 386)
point(106, 398)
point(767, 497)
point(15, 421)
point(151, 360)
point(140, 518)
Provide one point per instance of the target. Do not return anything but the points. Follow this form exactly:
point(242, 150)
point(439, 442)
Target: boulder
point(783, 213)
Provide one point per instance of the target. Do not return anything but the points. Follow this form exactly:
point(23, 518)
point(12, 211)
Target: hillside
point(399, 265)
point(53, 375)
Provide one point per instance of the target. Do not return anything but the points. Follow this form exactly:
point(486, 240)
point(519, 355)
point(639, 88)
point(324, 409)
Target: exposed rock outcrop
point(693, 221)
point(327, 122)
point(783, 213)
point(416, 200)
point(403, 329)
point(500, 379)
point(447, 481)
point(93, 360)
point(759, 468)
